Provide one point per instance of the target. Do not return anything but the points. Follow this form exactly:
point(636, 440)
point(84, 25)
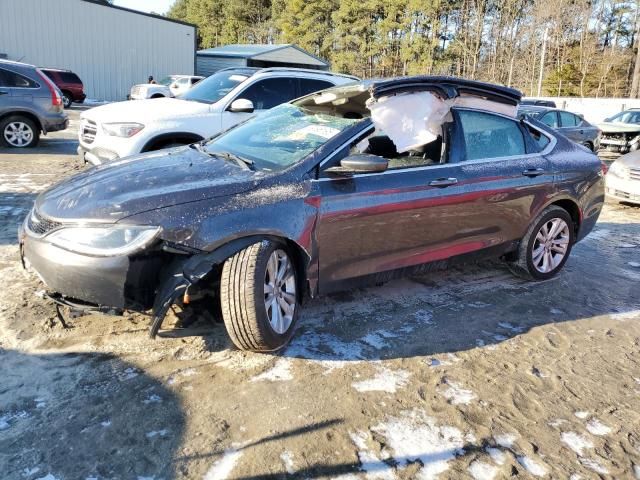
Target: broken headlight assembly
point(103, 241)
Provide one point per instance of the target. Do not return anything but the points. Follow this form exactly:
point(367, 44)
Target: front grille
point(40, 225)
point(614, 136)
point(634, 173)
point(88, 131)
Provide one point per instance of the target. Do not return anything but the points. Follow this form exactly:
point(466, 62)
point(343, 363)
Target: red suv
point(69, 84)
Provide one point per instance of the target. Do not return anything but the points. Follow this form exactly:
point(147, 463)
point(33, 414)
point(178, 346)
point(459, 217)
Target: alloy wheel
point(280, 291)
point(550, 245)
point(18, 134)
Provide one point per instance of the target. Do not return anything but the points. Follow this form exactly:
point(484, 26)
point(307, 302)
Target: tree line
point(557, 48)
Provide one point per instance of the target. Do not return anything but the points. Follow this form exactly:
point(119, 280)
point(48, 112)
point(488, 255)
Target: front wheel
point(546, 246)
point(259, 298)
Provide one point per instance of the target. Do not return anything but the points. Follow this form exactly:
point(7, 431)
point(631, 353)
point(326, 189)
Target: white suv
point(214, 104)
point(171, 86)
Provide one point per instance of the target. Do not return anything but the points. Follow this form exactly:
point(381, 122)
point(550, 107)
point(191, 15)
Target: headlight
point(103, 241)
point(618, 169)
point(125, 130)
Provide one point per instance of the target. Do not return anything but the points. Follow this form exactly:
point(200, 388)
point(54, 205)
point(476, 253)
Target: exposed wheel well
point(157, 95)
point(28, 115)
point(162, 141)
point(572, 209)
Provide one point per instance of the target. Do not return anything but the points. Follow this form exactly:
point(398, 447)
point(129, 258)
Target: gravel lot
point(468, 373)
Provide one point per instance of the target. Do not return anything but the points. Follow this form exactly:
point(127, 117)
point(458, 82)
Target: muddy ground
point(469, 373)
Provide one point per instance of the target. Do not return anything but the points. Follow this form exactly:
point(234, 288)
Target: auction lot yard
point(467, 373)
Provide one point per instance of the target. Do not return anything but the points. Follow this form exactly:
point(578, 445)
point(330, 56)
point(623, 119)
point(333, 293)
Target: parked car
point(170, 86)
point(215, 104)
point(623, 179)
point(572, 126)
point(69, 84)
point(340, 188)
point(621, 132)
point(537, 102)
point(30, 104)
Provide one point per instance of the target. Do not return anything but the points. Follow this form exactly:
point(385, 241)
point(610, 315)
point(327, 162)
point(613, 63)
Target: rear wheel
point(19, 132)
point(259, 298)
point(67, 99)
point(546, 246)
point(157, 95)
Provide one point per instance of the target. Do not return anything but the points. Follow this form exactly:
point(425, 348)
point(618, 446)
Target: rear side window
point(550, 119)
point(569, 119)
point(69, 77)
point(15, 80)
point(309, 85)
point(540, 139)
point(270, 92)
point(490, 136)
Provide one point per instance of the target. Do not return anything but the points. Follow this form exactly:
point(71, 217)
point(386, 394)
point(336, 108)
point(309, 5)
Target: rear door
point(570, 127)
point(5, 91)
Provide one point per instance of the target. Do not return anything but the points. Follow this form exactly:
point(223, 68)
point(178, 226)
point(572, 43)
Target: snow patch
point(373, 467)
point(510, 326)
point(327, 350)
point(534, 468)
point(424, 317)
point(158, 433)
point(497, 455)
point(222, 468)
point(457, 395)
point(385, 380)
point(634, 264)
point(593, 465)
point(482, 471)
point(287, 460)
point(279, 373)
point(48, 476)
point(7, 419)
point(153, 398)
point(581, 415)
point(636, 471)
point(414, 436)
point(596, 427)
point(576, 442)
point(622, 316)
point(505, 440)
point(556, 311)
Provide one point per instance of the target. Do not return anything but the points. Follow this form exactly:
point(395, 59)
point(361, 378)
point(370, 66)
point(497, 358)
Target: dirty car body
point(621, 132)
point(319, 179)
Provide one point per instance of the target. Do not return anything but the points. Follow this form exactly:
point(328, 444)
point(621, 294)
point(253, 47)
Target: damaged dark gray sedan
point(352, 185)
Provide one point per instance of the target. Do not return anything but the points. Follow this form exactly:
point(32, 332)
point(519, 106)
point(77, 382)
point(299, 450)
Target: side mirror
point(360, 163)
point(241, 105)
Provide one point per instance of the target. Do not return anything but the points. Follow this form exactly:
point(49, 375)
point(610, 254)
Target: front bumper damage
point(148, 280)
point(620, 142)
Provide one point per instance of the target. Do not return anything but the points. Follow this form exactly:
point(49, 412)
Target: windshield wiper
point(240, 161)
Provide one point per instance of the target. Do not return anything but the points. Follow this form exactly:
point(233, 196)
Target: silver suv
point(30, 104)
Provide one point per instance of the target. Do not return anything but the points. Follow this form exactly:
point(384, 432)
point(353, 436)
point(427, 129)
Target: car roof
point(254, 70)
point(535, 108)
point(56, 70)
point(15, 64)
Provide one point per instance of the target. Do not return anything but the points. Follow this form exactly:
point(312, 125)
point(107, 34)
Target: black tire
point(21, 120)
point(157, 95)
point(67, 99)
point(524, 265)
point(242, 299)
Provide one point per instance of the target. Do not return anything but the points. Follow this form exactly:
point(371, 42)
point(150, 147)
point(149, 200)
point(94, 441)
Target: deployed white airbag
point(410, 119)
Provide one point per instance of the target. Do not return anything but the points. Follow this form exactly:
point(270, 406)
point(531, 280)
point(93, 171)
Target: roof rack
point(307, 70)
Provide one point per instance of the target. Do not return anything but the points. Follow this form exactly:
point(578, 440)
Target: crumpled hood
point(613, 127)
point(145, 111)
point(116, 190)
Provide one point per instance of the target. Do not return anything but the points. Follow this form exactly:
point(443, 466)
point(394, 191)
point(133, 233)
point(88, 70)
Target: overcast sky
point(157, 6)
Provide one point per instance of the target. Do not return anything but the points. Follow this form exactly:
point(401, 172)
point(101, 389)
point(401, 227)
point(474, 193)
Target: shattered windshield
point(630, 116)
point(280, 137)
point(213, 88)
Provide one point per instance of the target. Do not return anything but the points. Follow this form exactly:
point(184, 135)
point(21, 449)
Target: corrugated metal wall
point(208, 65)
point(109, 49)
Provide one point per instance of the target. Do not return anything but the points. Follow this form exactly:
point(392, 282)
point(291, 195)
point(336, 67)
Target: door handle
point(443, 182)
point(533, 172)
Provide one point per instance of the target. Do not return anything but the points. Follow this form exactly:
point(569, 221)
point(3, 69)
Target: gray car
point(30, 104)
point(572, 126)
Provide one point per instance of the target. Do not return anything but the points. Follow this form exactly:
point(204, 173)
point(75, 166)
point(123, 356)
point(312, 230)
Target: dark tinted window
point(270, 92)
point(539, 138)
point(490, 136)
point(569, 119)
point(12, 79)
point(308, 85)
point(550, 119)
point(69, 77)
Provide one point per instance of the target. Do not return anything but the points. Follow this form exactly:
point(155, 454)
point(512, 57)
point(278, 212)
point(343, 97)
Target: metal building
point(110, 48)
point(211, 60)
